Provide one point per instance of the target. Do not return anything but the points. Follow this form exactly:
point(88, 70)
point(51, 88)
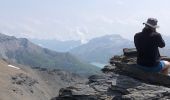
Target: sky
point(80, 19)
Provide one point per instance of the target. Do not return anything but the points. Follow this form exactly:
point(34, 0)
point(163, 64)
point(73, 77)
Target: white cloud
point(81, 33)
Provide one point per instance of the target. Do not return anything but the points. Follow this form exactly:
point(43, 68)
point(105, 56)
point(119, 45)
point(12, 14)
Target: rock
point(130, 52)
point(108, 68)
point(135, 90)
point(165, 58)
point(122, 59)
point(95, 78)
point(116, 58)
point(80, 92)
point(22, 79)
point(122, 88)
point(132, 70)
point(122, 80)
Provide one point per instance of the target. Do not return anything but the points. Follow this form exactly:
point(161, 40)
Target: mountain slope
point(22, 51)
point(19, 82)
point(101, 49)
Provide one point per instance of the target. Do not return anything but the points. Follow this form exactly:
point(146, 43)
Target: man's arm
point(160, 41)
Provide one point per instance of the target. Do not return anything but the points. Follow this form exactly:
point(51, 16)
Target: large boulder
point(122, 80)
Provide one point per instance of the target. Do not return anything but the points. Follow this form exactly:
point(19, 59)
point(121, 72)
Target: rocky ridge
point(117, 83)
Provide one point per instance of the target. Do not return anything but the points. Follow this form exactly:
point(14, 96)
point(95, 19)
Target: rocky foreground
point(120, 83)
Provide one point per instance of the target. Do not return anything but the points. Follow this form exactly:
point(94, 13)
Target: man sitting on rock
point(147, 43)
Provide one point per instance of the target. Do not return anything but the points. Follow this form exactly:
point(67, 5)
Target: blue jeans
point(157, 68)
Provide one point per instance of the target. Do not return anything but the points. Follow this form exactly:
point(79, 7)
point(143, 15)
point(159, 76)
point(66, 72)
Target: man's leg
point(166, 68)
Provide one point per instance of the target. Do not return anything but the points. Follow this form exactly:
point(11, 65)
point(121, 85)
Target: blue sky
point(80, 19)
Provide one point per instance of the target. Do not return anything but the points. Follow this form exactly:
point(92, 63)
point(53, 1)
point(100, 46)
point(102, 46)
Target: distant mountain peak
point(4, 37)
point(100, 49)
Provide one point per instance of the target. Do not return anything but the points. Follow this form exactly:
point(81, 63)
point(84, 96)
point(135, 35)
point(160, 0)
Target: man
point(147, 43)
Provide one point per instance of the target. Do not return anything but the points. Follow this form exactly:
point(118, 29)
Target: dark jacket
point(147, 43)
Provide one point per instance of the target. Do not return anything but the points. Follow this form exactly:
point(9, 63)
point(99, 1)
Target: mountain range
point(96, 50)
point(22, 51)
point(102, 48)
point(99, 50)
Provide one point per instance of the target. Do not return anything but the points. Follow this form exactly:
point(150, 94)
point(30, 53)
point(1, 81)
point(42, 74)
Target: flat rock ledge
point(122, 80)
